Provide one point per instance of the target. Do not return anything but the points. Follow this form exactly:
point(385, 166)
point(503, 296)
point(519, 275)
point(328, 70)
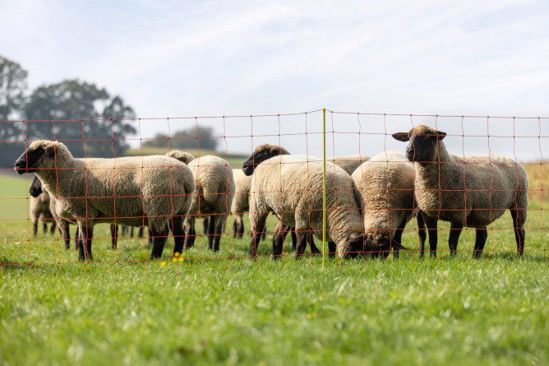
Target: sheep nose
point(410, 153)
point(20, 166)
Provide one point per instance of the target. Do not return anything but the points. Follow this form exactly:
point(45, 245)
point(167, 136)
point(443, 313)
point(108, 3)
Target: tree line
point(87, 118)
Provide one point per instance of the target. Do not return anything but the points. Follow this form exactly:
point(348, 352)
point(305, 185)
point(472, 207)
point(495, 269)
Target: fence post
point(323, 187)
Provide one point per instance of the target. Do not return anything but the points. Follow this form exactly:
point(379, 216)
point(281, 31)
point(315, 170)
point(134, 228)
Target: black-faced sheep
point(291, 187)
point(260, 154)
point(151, 190)
point(213, 196)
point(385, 184)
point(468, 192)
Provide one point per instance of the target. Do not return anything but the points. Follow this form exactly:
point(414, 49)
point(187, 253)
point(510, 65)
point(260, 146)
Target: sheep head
point(41, 155)
point(36, 187)
point(371, 245)
point(423, 143)
point(182, 156)
point(260, 154)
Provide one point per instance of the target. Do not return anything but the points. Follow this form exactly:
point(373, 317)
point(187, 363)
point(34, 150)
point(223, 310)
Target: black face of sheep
point(364, 245)
point(423, 143)
point(36, 187)
point(28, 161)
point(262, 153)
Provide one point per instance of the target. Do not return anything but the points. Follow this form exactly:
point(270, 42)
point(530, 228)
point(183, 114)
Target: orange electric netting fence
point(326, 184)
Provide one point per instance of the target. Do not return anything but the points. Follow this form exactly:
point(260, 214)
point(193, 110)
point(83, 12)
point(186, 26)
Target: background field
point(210, 309)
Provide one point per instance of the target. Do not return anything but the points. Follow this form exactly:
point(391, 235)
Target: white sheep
point(135, 191)
point(290, 186)
point(469, 192)
point(385, 184)
point(240, 203)
point(213, 196)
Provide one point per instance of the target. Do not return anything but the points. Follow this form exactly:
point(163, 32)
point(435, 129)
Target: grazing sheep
point(349, 163)
point(151, 190)
point(214, 182)
point(291, 187)
point(40, 207)
point(386, 189)
point(469, 192)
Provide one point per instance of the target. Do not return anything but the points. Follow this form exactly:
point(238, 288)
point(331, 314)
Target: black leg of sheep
point(35, 227)
point(433, 237)
point(301, 243)
point(211, 232)
point(190, 233)
point(218, 231)
point(114, 236)
point(45, 227)
point(241, 229)
point(176, 227)
point(332, 249)
point(159, 240)
point(421, 232)
point(455, 232)
point(278, 240)
point(85, 244)
point(519, 217)
point(312, 246)
point(257, 230)
point(235, 229)
point(480, 241)
point(53, 227)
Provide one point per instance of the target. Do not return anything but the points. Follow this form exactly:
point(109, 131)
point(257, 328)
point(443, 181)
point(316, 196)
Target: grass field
point(208, 309)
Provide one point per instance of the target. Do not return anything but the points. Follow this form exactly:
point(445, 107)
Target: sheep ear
point(441, 135)
point(275, 152)
point(401, 136)
point(50, 151)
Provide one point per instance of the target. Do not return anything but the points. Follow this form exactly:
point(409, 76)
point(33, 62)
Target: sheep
point(466, 191)
point(261, 153)
point(385, 185)
point(349, 163)
point(291, 187)
point(151, 190)
point(214, 182)
point(40, 207)
point(240, 201)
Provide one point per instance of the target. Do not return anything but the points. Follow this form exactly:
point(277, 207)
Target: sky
point(187, 58)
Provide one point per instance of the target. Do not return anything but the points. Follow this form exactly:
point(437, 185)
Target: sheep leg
point(397, 239)
point(241, 228)
point(176, 227)
point(294, 238)
point(312, 246)
point(45, 227)
point(114, 235)
point(421, 233)
point(235, 228)
point(480, 240)
point(219, 221)
point(257, 229)
point(35, 227)
point(140, 233)
point(519, 217)
point(302, 237)
point(77, 238)
point(206, 226)
point(433, 236)
point(159, 239)
point(278, 240)
point(211, 230)
point(86, 238)
point(53, 226)
point(64, 228)
point(190, 234)
point(455, 232)
point(331, 249)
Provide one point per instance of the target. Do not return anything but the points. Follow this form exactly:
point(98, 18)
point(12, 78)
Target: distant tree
point(13, 84)
point(198, 137)
point(86, 118)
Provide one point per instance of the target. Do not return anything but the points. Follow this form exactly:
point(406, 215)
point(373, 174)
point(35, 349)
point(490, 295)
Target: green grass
point(208, 309)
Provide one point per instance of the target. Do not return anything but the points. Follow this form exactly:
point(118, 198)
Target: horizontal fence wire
point(292, 197)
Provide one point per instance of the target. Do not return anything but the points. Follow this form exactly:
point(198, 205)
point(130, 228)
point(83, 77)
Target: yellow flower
point(174, 259)
point(163, 264)
point(177, 254)
point(181, 259)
